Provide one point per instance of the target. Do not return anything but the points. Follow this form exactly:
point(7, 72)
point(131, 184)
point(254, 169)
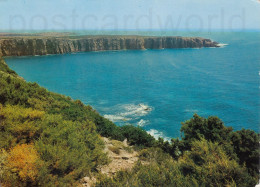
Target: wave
point(130, 112)
point(136, 110)
point(116, 118)
point(221, 45)
point(142, 123)
point(191, 111)
point(157, 134)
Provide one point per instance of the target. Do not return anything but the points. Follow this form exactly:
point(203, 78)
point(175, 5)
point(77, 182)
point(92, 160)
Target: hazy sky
point(129, 14)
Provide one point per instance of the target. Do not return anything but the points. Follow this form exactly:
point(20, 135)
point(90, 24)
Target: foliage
point(21, 166)
point(159, 169)
point(206, 164)
point(246, 147)
point(62, 130)
point(137, 136)
point(65, 132)
point(211, 129)
point(5, 68)
point(18, 125)
point(68, 150)
point(15, 91)
point(211, 166)
point(242, 145)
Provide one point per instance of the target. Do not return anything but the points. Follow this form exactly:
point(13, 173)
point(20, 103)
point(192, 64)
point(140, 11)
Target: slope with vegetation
point(47, 139)
point(209, 154)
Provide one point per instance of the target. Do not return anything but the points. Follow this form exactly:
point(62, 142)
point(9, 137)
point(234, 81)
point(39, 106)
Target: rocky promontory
point(15, 45)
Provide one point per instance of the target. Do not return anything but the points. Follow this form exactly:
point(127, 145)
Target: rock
point(125, 143)
point(86, 179)
point(88, 182)
point(43, 45)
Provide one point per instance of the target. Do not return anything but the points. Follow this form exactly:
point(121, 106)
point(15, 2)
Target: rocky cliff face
point(23, 46)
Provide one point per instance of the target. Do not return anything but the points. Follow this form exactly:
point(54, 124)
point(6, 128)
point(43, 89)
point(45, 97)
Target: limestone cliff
point(42, 45)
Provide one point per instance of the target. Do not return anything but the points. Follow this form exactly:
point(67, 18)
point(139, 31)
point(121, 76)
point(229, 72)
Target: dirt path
point(121, 155)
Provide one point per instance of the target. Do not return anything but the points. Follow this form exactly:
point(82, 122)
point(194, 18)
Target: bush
point(246, 147)
point(19, 125)
point(137, 136)
point(21, 166)
point(159, 169)
point(211, 129)
point(67, 150)
point(211, 166)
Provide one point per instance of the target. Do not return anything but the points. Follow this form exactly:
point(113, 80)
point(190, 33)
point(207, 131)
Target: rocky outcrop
point(38, 45)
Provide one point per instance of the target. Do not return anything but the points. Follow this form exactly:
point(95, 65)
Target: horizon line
point(133, 30)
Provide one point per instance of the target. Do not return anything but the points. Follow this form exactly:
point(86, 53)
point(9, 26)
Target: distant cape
point(28, 45)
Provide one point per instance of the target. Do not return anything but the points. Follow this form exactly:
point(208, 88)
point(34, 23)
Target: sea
point(159, 89)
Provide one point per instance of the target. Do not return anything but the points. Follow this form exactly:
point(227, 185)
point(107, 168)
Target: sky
point(129, 14)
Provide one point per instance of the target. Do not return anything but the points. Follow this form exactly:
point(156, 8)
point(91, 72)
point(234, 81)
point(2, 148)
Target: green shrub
point(246, 147)
point(211, 166)
point(137, 136)
point(159, 169)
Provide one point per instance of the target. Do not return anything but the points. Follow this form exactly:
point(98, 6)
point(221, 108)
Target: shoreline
point(102, 51)
point(44, 45)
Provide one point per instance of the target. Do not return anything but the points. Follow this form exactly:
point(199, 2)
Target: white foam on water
point(129, 112)
point(191, 111)
point(157, 134)
point(136, 110)
point(221, 45)
point(142, 123)
point(116, 118)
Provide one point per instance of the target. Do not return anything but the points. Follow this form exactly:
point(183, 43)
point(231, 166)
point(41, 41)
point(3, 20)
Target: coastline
point(25, 45)
point(145, 139)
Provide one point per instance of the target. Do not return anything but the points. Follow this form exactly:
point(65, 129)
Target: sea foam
point(221, 45)
point(142, 123)
point(158, 134)
point(130, 112)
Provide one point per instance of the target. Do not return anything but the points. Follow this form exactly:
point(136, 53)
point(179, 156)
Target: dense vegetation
point(45, 138)
point(209, 154)
point(48, 139)
point(62, 135)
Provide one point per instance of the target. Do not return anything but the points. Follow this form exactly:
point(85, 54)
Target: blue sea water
point(159, 89)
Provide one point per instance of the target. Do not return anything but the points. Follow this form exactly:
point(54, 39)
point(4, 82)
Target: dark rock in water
point(43, 45)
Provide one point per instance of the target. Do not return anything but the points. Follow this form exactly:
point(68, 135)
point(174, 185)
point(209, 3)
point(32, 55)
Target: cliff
point(42, 45)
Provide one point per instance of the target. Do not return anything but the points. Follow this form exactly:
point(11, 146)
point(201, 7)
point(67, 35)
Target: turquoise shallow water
point(159, 89)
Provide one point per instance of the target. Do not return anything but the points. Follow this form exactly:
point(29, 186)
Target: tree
point(211, 166)
point(137, 136)
point(246, 146)
point(212, 129)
